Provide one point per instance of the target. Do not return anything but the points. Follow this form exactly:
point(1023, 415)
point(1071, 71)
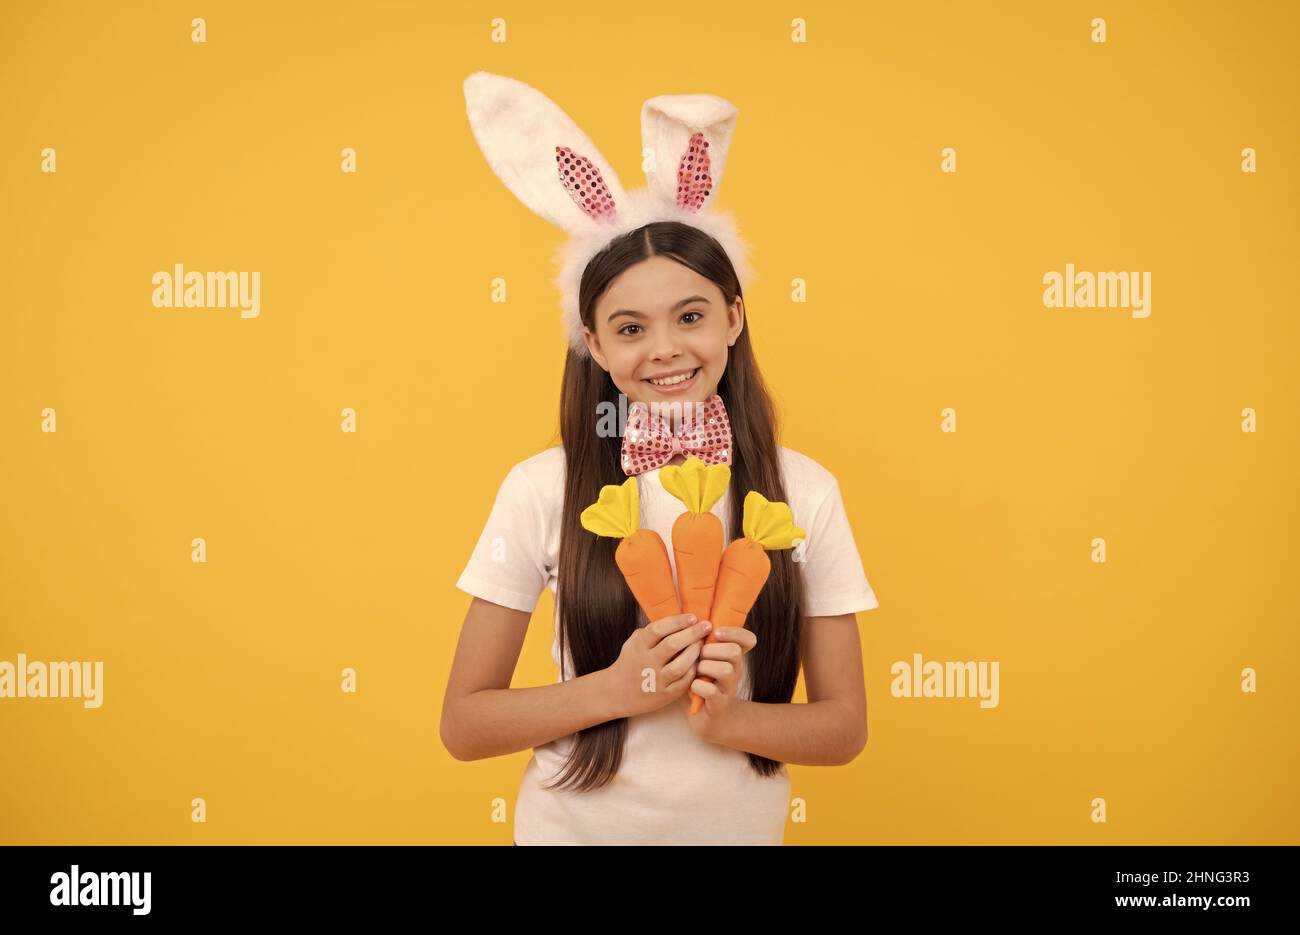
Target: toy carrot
point(698, 536)
point(745, 566)
point(641, 556)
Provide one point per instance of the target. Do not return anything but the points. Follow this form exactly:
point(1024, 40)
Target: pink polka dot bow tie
point(649, 441)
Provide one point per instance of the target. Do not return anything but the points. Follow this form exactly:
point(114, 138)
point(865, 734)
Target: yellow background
point(328, 550)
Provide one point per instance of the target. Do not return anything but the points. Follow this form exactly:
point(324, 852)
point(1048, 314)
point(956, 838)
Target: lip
point(678, 388)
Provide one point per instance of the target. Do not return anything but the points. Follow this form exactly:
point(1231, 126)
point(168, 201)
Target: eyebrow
point(635, 314)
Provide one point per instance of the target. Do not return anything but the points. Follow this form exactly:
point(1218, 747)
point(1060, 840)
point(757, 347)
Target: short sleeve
point(834, 580)
point(508, 565)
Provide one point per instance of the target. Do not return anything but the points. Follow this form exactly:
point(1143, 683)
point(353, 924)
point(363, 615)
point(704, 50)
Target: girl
point(657, 325)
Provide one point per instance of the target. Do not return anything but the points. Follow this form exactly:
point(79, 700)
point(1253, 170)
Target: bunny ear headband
point(555, 169)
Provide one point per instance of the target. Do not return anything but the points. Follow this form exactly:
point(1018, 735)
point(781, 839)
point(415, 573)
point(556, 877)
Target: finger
point(746, 638)
point(728, 651)
point(700, 678)
point(681, 684)
point(684, 661)
point(671, 645)
point(716, 668)
point(666, 625)
point(705, 689)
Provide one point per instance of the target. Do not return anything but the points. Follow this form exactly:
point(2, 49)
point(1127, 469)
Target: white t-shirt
point(671, 787)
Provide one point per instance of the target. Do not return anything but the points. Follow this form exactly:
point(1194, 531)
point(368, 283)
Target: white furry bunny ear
point(688, 136)
point(540, 154)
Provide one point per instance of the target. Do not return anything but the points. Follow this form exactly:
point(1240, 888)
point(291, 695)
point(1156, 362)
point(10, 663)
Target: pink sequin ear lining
point(693, 179)
point(584, 184)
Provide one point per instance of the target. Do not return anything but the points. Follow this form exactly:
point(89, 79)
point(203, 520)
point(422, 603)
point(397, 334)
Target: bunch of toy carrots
point(717, 585)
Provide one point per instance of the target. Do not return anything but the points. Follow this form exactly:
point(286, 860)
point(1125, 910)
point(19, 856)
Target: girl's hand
point(724, 663)
point(656, 665)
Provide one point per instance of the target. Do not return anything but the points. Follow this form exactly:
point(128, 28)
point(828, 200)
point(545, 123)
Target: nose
point(665, 349)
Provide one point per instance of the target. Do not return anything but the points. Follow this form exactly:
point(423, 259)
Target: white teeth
point(671, 381)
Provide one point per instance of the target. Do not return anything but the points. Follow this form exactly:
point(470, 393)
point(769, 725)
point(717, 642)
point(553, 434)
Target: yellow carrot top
point(697, 485)
point(769, 524)
point(617, 513)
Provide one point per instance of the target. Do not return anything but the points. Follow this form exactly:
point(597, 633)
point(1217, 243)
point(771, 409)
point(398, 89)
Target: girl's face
point(659, 318)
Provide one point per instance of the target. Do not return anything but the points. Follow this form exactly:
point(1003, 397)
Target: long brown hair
point(596, 609)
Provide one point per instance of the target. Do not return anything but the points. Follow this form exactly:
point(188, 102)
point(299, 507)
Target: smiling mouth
point(676, 380)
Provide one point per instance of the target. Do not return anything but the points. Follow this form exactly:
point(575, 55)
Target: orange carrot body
point(698, 539)
point(744, 570)
point(643, 559)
